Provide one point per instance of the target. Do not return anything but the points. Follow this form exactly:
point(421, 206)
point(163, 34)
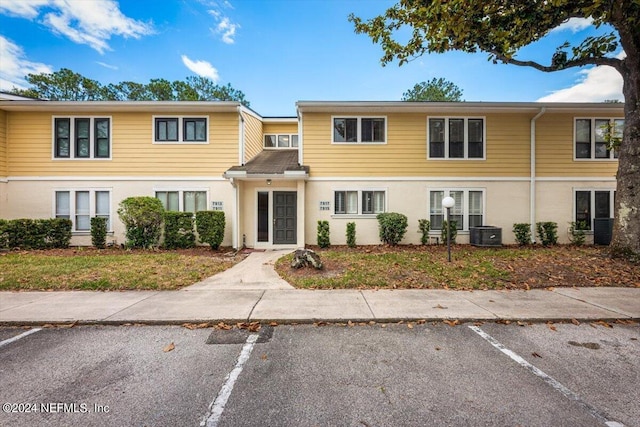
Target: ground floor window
point(81, 205)
point(592, 204)
point(183, 200)
point(359, 202)
point(468, 210)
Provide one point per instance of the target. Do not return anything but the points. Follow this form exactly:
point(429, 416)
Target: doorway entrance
point(278, 219)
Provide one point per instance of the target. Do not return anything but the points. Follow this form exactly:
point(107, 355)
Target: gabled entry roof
point(274, 164)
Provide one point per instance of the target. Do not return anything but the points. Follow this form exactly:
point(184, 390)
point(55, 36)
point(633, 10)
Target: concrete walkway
point(252, 291)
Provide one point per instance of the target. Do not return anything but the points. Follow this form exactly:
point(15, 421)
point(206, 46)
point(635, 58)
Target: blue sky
point(276, 51)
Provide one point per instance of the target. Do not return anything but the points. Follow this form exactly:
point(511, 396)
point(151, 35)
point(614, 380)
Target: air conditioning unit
point(485, 235)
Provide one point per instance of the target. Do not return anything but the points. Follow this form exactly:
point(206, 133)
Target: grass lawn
point(426, 267)
point(109, 269)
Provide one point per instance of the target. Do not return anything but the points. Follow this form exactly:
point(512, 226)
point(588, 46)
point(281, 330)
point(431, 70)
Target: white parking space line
point(17, 337)
point(546, 378)
point(216, 408)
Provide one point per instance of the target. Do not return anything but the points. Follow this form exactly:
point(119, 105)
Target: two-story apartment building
point(503, 163)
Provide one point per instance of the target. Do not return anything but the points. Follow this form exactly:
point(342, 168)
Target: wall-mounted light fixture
point(268, 182)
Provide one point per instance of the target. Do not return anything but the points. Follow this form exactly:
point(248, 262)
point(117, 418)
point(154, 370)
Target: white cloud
point(201, 68)
point(105, 65)
point(593, 85)
point(227, 29)
point(574, 25)
point(85, 22)
point(15, 66)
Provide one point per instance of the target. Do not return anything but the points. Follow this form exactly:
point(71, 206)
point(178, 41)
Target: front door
point(284, 217)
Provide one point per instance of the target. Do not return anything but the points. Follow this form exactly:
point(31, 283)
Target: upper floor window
point(183, 200)
point(356, 202)
point(593, 137)
point(169, 130)
point(456, 137)
point(281, 140)
point(468, 210)
point(82, 138)
point(81, 205)
point(359, 130)
point(592, 204)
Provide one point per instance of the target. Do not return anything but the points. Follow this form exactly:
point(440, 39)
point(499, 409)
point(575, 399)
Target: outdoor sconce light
point(268, 182)
point(448, 203)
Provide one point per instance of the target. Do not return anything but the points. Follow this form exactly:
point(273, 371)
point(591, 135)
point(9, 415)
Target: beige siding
point(252, 136)
point(405, 153)
point(133, 153)
point(555, 152)
point(3, 144)
point(271, 128)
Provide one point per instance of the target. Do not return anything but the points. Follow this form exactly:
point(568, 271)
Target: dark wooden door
point(284, 217)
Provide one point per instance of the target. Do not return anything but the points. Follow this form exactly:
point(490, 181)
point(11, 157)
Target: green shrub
point(392, 227)
point(424, 225)
point(210, 226)
point(4, 234)
point(522, 231)
point(142, 218)
point(36, 233)
point(99, 232)
point(453, 231)
point(351, 234)
point(178, 230)
point(577, 234)
point(547, 232)
point(323, 234)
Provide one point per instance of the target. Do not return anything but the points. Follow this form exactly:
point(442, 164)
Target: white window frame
point(466, 137)
point(72, 137)
point(592, 157)
point(359, 130)
point(465, 207)
point(277, 136)
point(92, 206)
point(359, 213)
point(181, 119)
point(592, 203)
point(181, 192)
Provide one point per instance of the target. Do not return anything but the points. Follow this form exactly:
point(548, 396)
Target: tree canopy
point(501, 28)
point(436, 89)
point(66, 85)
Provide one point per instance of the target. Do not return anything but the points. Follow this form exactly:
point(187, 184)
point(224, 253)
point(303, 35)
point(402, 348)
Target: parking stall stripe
point(212, 418)
point(17, 337)
point(546, 378)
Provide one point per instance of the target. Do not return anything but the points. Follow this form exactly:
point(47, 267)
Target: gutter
point(532, 182)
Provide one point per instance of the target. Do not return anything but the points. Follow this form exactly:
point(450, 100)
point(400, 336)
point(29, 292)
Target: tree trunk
point(626, 229)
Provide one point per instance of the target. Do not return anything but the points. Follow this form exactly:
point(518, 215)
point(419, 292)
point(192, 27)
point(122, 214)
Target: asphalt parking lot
point(334, 375)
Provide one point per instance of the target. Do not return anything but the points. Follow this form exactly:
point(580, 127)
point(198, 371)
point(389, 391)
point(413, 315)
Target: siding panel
point(252, 136)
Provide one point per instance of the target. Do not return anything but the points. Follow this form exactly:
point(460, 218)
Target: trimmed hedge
point(351, 234)
point(35, 233)
point(522, 232)
point(143, 218)
point(392, 227)
point(547, 232)
point(178, 230)
point(210, 226)
point(323, 234)
point(99, 232)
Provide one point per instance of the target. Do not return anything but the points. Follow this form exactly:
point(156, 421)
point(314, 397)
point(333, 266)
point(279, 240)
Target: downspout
point(300, 138)
point(532, 182)
point(240, 137)
point(235, 230)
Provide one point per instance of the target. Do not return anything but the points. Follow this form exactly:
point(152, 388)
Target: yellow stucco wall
point(133, 152)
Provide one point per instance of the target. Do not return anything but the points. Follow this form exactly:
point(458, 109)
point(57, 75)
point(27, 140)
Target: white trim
point(4, 180)
point(181, 192)
point(277, 135)
point(592, 143)
point(576, 179)
point(465, 205)
point(115, 178)
point(359, 130)
point(359, 192)
point(532, 184)
point(291, 119)
point(92, 204)
point(180, 119)
point(241, 136)
point(418, 178)
point(300, 140)
point(249, 111)
point(72, 134)
point(466, 137)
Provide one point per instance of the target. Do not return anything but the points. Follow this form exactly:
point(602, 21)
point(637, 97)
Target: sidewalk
point(252, 291)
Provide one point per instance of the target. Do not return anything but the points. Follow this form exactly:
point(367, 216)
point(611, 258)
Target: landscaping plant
point(323, 234)
point(392, 227)
point(453, 231)
point(210, 226)
point(424, 225)
point(522, 232)
point(99, 232)
point(142, 218)
point(178, 230)
point(351, 234)
point(547, 232)
point(577, 232)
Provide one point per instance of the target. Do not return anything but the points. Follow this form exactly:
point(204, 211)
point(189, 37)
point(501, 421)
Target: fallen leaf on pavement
point(273, 324)
point(410, 325)
point(534, 354)
point(440, 307)
point(169, 347)
point(551, 326)
point(575, 322)
point(452, 322)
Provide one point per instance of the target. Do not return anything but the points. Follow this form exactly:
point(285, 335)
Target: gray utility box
point(485, 235)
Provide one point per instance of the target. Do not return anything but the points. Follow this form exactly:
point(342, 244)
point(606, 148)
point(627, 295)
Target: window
point(468, 210)
point(359, 130)
point(455, 138)
point(281, 141)
point(81, 205)
point(372, 202)
point(592, 204)
point(183, 201)
point(82, 138)
point(170, 130)
point(591, 137)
